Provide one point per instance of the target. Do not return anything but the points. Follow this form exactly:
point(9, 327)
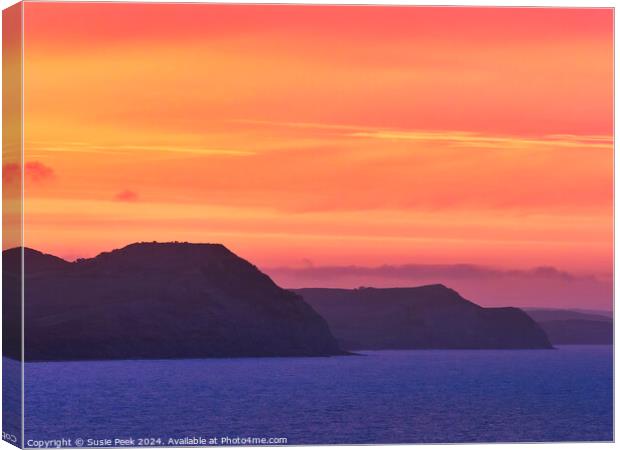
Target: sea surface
point(378, 397)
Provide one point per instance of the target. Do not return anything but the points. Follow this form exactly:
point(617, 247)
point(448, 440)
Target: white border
point(484, 3)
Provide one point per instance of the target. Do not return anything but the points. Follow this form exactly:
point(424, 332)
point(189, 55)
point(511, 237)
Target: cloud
point(477, 140)
point(421, 271)
point(33, 171)
point(10, 173)
point(453, 137)
point(82, 147)
point(126, 196)
point(37, 171)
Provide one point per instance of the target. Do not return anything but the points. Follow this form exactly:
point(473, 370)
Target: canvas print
point(242, 224)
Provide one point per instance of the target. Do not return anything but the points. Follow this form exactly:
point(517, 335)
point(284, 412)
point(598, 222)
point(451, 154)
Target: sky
point(331, 146)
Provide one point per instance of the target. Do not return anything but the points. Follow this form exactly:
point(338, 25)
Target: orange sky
point(323, 136)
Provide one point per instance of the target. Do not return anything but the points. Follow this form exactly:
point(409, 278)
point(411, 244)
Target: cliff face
point(153, 300)
point(421, 318)
point(568, 327)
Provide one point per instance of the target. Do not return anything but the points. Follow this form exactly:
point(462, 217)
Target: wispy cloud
point(469, 139)
point(73, 147)
point(192, 150)
point(453, 137)
point(309, 125)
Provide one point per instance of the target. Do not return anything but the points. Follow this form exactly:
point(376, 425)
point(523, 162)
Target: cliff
point(570, 327)
point(159, 300)
point(426, 317)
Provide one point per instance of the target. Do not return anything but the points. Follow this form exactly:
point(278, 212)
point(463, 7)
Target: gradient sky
point(331, 146)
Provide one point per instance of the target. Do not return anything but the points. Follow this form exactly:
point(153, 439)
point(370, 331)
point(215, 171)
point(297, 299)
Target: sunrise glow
point(305, 137)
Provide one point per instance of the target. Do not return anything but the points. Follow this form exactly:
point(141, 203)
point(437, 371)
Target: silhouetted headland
point(181, 300)
point(571, 327)
point(155, 301)
point(426, 317)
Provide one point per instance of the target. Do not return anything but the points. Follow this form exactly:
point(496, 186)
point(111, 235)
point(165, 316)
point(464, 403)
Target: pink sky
point(305, 137)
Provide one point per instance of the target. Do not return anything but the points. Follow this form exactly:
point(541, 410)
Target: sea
point(374, 397)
